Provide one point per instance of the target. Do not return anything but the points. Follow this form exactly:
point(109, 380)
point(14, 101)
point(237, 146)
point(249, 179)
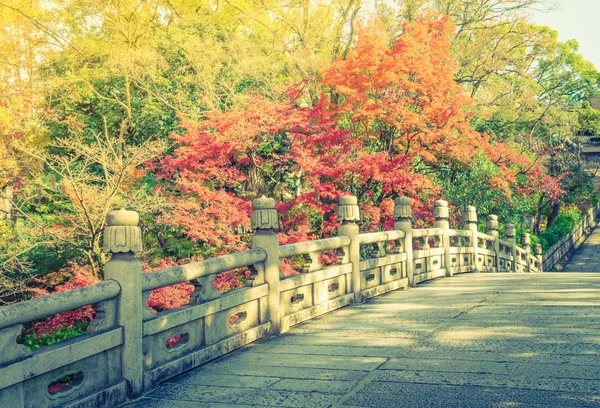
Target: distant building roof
point(595, 103)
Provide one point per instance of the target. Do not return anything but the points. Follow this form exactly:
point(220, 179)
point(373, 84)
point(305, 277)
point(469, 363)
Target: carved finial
point(348, 209)
point(470, 214)
point(263, 215)
point(510, 231)
point(122, 233)
point(491, 222)
point(525, 239)
point(402, 208)
point(537, 249)
point(440, 209)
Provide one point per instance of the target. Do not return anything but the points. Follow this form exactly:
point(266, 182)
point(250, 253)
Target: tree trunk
point(554, 213)
point(97, 258)
point(162, 242)
point(538, 216)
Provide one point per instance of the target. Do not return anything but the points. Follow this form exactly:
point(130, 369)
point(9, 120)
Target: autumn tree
point(85, 181)
point(393, 116)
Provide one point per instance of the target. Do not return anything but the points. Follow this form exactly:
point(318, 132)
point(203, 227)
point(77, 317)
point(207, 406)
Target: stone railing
point(129, 349)
point(578, 234)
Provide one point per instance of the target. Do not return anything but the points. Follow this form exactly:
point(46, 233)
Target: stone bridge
point(495, 331)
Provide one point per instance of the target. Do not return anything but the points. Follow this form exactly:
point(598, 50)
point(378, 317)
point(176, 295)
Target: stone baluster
point(525, 243)
point(471, 225)
point(263, 220)
point(403, 215)
point(491, 224)
point(348, 214)
point(441, 214)
point(537, 251)
point(510, 232)
point(123, 238)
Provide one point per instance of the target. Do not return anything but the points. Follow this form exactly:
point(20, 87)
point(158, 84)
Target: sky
point(578, 19)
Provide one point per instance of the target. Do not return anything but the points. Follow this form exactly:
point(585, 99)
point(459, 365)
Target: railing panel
point(304, 248)
point(318, 288)
point(461, 251)
point(428, 260)
point(177, 337)
point(39, 308)
point(295, 281)
point(185, 273)
point(69, 371)
point(386, 268)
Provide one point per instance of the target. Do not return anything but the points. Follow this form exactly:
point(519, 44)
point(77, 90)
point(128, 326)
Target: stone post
point(123, 238)
point(348, 214)
point(525, 243)
point(491, 225)
point(440, 212)
point(510, 232)
point(263, 220)
point(403, 215)
point(471, 225)
point(537, 251)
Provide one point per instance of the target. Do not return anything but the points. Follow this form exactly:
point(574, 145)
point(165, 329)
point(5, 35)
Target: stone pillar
point(348, 214)
point(440, 212)
point(403, 215)
point(510, 232)
point(123, 238)
point(537, 251)
point(525, 243)
point(491, 225)
point(471, 225)
point(263, 220)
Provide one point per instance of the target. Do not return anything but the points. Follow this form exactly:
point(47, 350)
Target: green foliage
point(565, 222)
point(137, 72)
point(589, 121)
point(34, 341)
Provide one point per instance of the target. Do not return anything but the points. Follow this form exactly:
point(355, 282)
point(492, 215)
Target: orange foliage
point(405, 96)
point(390, 109)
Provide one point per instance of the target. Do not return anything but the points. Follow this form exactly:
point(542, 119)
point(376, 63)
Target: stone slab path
point(587, 257)
point(474, 340)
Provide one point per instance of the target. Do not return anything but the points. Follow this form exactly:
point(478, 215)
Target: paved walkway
point(587, 257)
point(474, 340)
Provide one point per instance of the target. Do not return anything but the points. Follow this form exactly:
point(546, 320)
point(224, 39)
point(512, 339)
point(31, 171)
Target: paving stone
point(303, 361)
point(325, 387)
point(485, 379)
point(327, 350)
point(283, 372)
point(224, 380)
point(231, 395)
point(163, 403)
point(428, 352)
point(515, 369)
point(293, 339)
point(389, 394)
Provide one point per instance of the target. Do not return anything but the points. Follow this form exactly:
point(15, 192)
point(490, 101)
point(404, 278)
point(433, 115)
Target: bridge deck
point(475, 340)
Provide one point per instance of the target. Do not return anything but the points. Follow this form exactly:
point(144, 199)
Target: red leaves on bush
point(168, 297)
point(70, 278)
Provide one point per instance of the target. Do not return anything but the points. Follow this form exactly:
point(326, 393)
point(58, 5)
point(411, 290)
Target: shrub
point(564, 224)
point(34, 341)
point(72, 277)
